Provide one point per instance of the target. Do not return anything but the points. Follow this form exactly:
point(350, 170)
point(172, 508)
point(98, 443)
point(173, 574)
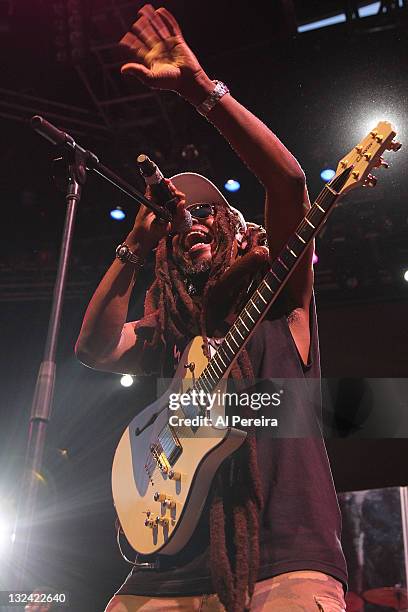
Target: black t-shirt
point(300, 525)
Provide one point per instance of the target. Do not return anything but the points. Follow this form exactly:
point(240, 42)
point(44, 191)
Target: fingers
point(152, 28)
point(160, 224)
point(146, 10)
point(137, 70)
point(181, 221)
point(170, 21)
point(145, 32)
point(134, 44)
point(159, 25)
point(156, 21)
point(180, 209)
point(161, 20)
point(175, 192)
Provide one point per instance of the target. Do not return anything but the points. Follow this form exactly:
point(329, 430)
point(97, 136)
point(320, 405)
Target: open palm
point(164, 59)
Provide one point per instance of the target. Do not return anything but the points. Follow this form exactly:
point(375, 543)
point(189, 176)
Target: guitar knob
point(174, 475)
point(160, 497)
point(170, 503)
point(394, 145)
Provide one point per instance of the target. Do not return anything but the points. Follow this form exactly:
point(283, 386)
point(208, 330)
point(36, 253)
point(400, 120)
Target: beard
point(195, 275)
point(190, 269)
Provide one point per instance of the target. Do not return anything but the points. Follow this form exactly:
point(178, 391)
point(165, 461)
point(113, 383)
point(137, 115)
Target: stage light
point(232, 185)
point(117, 214)
point(390, 111)
point(6, 534)
point(406, 275)
point(126, 380)
point(370, 9)
point(322, 23)
point(327, 174)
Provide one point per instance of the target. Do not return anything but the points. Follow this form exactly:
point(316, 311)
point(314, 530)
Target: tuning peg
point(381, 163)
point(370, 181)
point(394, 145)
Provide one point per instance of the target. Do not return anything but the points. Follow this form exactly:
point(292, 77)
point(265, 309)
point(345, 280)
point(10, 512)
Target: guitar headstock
point(354, 168)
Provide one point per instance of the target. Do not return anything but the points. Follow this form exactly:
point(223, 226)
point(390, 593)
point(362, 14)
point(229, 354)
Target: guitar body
point(141, 467)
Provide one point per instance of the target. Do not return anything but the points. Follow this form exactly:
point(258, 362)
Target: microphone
point(161, 192)
point(50, 132)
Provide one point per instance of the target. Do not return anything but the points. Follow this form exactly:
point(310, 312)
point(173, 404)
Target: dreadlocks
point(237, 484)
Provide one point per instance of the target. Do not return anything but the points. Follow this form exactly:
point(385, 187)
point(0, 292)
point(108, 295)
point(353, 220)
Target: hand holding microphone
point(163, 195)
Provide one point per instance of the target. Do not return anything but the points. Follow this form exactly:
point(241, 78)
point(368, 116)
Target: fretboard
point(271, 286)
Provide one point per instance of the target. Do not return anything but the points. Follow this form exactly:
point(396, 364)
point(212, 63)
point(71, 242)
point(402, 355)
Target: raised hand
point(164, 60)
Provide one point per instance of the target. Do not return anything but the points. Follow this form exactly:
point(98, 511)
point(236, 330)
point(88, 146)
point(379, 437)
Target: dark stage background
point(320, 92)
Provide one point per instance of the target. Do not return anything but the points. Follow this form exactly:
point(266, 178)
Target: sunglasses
point(201, 211)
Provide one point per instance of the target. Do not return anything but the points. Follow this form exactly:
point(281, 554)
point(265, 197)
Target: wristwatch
point(125, 254)
point(215, 96)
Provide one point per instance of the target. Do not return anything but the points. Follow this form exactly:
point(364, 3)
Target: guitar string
point(323, 195)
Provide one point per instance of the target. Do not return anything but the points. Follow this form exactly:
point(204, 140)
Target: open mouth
point(197, 238)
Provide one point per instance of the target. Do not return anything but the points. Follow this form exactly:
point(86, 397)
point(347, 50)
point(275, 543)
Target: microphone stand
point(79, 161)
point(60, 138)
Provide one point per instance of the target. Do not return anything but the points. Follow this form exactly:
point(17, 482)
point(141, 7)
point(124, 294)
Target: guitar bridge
point(167, 449)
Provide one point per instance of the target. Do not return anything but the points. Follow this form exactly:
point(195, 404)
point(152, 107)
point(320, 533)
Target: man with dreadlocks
point(281, 549)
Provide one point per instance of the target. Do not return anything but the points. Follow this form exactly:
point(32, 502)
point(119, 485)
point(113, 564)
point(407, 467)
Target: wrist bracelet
point(215, 96)
point(125, 255)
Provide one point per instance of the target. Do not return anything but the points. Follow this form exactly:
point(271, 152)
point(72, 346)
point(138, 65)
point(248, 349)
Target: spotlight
point(327, 174)
point(232, 185)
point(406, 275)
point(126, 380)
point(6, 534)
point(117, 214)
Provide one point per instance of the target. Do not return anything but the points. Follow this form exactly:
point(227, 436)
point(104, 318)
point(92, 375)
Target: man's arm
point(165, 61)
point(106, 341)
point(286, 201)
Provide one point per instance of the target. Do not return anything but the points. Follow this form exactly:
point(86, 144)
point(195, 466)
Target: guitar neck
point(271, 285)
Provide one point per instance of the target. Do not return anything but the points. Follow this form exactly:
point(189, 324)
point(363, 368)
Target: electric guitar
point(162, 472)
